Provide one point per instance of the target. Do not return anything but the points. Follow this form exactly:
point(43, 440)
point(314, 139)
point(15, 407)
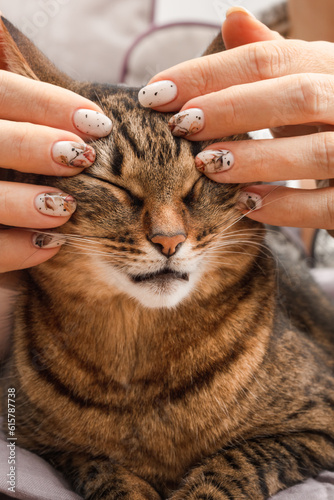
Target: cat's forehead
point(141, 149)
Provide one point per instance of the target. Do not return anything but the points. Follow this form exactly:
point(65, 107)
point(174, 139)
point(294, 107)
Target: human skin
point(263, 81)
point(312, 20)
point(35, 116)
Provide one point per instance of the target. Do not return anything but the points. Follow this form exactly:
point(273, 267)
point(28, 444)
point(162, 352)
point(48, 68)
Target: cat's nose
point(168, 245)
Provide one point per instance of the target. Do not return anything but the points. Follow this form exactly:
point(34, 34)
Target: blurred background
point(121, 40)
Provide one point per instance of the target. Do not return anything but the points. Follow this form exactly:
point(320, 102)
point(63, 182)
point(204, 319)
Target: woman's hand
point(261, 81)
point(43, 129)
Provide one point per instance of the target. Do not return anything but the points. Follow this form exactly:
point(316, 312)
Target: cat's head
point(148, 224)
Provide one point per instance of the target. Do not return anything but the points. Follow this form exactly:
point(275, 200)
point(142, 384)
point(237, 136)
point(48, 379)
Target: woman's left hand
point(261, 81)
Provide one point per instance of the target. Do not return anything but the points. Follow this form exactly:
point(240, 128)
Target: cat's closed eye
point(135, 200)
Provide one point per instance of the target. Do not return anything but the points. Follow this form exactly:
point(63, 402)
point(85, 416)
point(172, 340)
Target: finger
point(241, 28)
point(294, 130)
point(25, 100)
point(283, 206)
point(292, 100)
point(18, 251)
point(269, 160)
point(42, 150)
point(26, 205)
point(172, 88)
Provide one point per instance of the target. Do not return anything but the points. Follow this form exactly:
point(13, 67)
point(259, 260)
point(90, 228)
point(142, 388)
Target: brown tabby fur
point(227, 395)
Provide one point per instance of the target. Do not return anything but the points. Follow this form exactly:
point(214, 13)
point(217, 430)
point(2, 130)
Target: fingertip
point(18, 250)
point(38, 256)
point(157, 94)
point(74, 155)
point(47, 240)
point(240, 10)
point(241, 28)
point(92, 123)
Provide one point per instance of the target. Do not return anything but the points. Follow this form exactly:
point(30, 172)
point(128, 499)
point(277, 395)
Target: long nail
point(249, 201)
point(240, 9)
point(56, 204)
point(212, 161)
point(187, 122)
point(41, 240)
point(92, 122)
point(157, 94)
point(73, 154)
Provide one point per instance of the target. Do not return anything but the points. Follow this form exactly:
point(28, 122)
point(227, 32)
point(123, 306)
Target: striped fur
point(227, 394)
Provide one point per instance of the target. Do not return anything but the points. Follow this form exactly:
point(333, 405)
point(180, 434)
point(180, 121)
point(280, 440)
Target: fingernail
point(211, 161)
point(73, 154)
point(157, 94)
point(237, 8)
point(41, 240)
point(56, 204)
point(92, 122)
point(187, 122)
point(249, 201)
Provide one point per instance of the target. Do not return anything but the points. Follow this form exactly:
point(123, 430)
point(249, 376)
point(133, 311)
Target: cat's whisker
point(250, 211)
point(100, 101)
point(238, 242)
point(68, 236)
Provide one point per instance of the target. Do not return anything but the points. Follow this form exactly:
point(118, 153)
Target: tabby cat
point(185, 367)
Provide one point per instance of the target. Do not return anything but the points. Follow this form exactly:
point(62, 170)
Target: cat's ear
point(19, 55)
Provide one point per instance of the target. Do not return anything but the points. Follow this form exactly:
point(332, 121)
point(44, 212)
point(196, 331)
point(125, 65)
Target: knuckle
point(203, 76)
point(310, 96)
point(230, 106)
point(3, 87)
point(324, 154)
point(329, 210)
point(24, 144)
point(44, 104)
point(266, 60)
point(4, 202)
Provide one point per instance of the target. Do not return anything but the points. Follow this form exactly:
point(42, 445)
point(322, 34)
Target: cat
point(185, 367)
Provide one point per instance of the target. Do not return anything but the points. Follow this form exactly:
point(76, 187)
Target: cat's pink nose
point(168, 245)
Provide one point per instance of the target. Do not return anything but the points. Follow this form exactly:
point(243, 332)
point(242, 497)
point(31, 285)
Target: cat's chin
point(156, 295)
point(163, 289)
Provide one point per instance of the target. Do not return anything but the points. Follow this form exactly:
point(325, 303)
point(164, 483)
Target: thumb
point(241, 28)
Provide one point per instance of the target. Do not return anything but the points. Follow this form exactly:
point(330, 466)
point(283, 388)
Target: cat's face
point(157, 222)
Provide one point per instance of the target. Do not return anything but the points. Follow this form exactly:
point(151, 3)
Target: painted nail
point(157, 94)
point(187, 122)
point(41, 240)
point(249, 201)
point(238, 8)
point(56, 204)
point(211, 161)
point(73, 154)
point(92, 122)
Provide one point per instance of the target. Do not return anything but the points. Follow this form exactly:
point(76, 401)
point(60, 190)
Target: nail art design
point(211, 161)
point(187, 122)
point(249, 201)
point(92, 122)
point(42, 240)
point(157, 94)
point(73, 154)
point(56, 204)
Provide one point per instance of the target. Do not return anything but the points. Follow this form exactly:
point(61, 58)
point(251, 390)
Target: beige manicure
point(249, 201)
point(55, 204)
point(73, 154)
point(42, 240)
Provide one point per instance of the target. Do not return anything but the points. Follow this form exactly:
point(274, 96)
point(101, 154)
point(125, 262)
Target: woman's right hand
point(43, 130)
